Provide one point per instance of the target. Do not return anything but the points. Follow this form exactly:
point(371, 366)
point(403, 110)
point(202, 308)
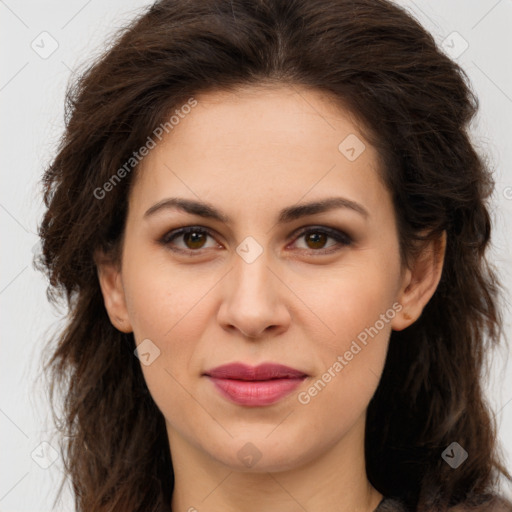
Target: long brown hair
point(414, 104)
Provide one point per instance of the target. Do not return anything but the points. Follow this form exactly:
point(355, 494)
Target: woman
point(270, 226)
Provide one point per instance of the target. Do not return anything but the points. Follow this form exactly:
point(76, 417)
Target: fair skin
point(250, 155)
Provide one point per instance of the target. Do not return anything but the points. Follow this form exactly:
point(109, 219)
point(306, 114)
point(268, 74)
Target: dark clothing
point(493, 504)
point(487, 503)
point(390, 505)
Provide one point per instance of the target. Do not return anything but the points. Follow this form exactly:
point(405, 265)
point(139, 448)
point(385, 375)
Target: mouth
point(255, 385)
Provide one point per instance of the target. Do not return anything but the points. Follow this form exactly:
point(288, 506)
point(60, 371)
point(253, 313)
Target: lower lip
point(256, 393)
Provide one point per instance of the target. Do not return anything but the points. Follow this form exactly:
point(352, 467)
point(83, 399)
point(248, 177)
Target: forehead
point(256, 146)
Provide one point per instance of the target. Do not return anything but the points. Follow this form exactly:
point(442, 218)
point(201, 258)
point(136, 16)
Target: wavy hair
point(414, 105)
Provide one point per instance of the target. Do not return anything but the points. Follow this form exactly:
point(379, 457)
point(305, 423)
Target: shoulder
point(487, 503)
point(490, 504)
point(391, 505)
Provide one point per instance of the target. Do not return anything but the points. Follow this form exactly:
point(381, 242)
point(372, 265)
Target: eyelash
point(342, 238)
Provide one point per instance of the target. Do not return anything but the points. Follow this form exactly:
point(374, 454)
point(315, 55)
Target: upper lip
point(265, 371)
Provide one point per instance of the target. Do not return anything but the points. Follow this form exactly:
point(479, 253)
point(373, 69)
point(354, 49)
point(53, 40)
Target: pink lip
point(255, 385)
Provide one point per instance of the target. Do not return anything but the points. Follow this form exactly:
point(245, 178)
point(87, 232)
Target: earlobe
point(420, 282)
point(111, 284)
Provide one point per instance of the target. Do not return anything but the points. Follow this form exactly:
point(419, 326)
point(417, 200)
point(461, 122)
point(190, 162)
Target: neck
point(334, 480)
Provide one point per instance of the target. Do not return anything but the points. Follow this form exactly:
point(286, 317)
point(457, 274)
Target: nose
point(254, 300)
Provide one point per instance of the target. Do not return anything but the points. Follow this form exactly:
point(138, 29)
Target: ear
point(111, 284)
point(419, 283)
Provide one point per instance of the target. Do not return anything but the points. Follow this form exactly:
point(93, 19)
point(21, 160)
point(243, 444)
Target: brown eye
point(193, 239)
point(316, 239)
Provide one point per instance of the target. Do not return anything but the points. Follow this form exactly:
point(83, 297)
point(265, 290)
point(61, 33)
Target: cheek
point(164, 309)
point(167, 306)
point(159, 294)
point(351, 362)
point(349, 299)
point(356, 310)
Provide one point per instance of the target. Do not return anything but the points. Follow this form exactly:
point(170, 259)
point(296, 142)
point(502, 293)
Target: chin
point(260, 454)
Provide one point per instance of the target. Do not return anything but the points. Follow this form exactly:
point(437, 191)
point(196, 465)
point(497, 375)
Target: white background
point(32, 99)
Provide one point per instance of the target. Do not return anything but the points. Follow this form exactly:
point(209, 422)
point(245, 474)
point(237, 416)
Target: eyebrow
point(286, 215)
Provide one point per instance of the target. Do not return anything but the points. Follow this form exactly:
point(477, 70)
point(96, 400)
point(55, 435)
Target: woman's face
point(264, 280)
